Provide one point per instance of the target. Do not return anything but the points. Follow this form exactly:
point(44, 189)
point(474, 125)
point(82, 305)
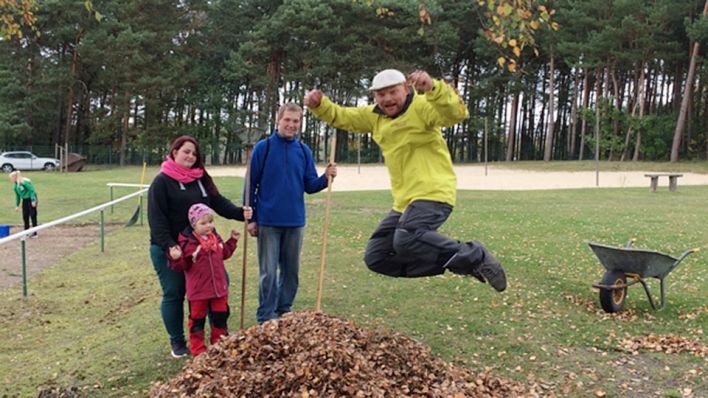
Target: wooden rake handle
point(325, 227)
point(246, 202)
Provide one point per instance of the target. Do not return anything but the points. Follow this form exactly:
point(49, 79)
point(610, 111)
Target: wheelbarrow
point(634, 264)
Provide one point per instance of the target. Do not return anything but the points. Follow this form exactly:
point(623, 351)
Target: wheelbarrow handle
point(681, 257)
point(689, 251)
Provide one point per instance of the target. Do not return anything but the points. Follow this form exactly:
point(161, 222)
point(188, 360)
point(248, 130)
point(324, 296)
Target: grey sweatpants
point(408, 245)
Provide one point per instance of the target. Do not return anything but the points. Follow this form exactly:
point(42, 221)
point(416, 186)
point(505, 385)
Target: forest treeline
point(140, 72)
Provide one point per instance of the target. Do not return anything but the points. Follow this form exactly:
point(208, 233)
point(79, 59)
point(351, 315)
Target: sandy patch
point(375, 177)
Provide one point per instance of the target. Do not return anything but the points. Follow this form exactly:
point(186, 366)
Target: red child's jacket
point(203, 269)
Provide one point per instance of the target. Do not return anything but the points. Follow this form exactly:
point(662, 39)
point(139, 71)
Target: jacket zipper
point(213, 279)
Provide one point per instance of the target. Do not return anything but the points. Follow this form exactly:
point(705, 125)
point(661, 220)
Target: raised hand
point(421, 80)
point(313, 98)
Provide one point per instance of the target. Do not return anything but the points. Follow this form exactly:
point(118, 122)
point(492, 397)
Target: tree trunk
point(70, 96)
point(512, 127)
point(536, 133)
point(618, 100)
point(124, 132)
point(574, 117)
point(549, 136)
point(628, 136)
point(586, 103)
point(598, 98)
point(643, 87)
point(686, 95)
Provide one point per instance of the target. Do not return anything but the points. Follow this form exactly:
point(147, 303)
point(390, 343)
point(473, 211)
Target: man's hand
point(17, 208)
point(313, 98)
point(247, 212)
point(252, 229)
point(421, 80)
point(175, 252)
point(331, 170)
point(235, 235)
point(34, 204)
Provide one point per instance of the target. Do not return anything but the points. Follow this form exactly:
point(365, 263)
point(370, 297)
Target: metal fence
point(23, 235)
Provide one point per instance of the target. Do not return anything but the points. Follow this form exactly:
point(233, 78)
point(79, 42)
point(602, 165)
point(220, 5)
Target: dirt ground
point(50, 246)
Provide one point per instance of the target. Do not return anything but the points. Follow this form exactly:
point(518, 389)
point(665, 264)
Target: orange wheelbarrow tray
point(634, 264)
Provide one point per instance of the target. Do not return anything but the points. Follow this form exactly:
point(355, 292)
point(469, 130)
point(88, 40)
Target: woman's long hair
point(199, 163)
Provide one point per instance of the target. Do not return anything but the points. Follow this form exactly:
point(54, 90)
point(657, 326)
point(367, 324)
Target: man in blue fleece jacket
point(282, 170)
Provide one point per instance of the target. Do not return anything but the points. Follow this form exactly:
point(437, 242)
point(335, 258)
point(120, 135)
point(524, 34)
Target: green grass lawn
point(92, 320)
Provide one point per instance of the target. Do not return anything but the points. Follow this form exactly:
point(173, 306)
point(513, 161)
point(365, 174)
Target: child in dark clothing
point(201, 254)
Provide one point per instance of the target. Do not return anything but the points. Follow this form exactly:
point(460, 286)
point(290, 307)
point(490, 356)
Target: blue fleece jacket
point(280, 179)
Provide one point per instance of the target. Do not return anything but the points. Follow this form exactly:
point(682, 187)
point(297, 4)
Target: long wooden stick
point(325, 228)
point(246, 202)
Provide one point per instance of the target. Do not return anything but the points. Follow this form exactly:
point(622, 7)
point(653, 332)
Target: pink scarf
point(179, 172)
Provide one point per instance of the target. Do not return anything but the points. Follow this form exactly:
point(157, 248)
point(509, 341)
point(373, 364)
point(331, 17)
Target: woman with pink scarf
point(182, 182)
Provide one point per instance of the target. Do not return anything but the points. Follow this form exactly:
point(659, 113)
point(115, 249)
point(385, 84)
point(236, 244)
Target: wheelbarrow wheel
point(612, 300)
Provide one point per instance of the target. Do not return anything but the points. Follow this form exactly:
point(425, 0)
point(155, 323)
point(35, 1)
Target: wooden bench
point(673, 180)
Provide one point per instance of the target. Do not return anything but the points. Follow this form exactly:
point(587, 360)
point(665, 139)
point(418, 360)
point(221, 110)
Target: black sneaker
point(179, 350)
point(491, 269)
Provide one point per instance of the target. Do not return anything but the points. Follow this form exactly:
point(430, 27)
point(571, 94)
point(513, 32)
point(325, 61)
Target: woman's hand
point(247, 212)
point(175, 252)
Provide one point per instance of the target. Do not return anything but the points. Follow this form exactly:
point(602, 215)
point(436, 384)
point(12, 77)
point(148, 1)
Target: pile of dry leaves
point(669, 344)
point(310, 354)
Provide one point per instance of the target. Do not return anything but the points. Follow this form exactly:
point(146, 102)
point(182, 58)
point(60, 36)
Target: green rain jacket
point(412, 145)
point(25, 190)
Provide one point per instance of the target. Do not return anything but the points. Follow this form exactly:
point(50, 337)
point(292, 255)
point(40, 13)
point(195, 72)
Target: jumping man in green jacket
point(405, 123)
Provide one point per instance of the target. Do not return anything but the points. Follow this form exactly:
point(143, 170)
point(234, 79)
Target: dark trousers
point(29, 212)
point(173, 291)
point(408, 245)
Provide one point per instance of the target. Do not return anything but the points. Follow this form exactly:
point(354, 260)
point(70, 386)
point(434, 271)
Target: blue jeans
point(278, 250)
point(173, 291)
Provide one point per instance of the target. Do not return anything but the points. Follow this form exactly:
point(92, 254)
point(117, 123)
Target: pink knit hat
point(198, 211)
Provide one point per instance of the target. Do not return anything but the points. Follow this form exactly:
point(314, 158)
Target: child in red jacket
point(201, 254)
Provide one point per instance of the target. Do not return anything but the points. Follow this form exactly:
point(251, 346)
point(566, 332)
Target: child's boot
point(218, 326)
point(196, 336)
